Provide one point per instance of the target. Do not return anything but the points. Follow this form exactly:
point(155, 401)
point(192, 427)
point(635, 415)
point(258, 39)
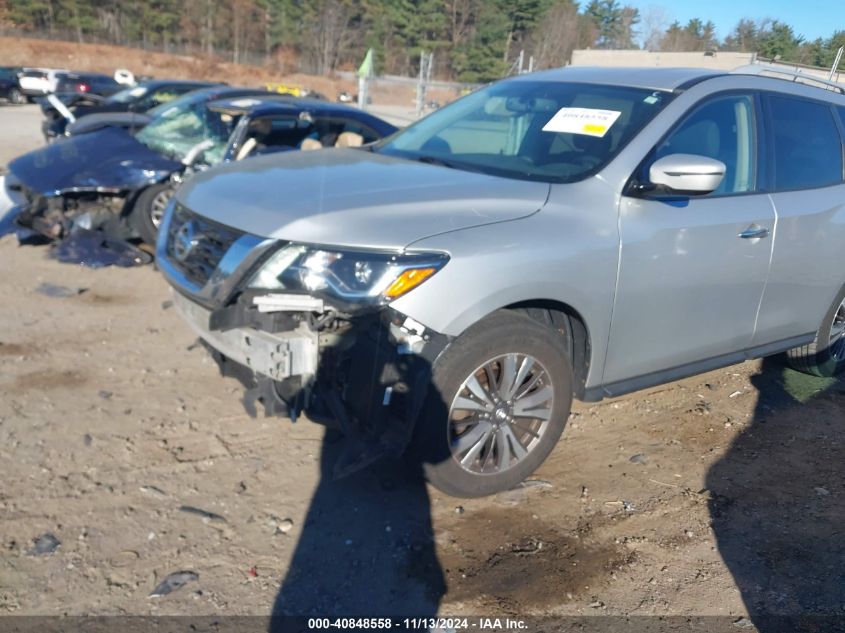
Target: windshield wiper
point(434, 160)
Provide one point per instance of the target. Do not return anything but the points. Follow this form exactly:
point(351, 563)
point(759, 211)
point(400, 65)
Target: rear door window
point(807, 146)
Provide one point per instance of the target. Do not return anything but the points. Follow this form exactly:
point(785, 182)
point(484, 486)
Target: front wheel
point(825, 356)
point(499, 401)
point(148, 211)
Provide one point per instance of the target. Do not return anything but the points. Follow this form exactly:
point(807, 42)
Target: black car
point(134, 101)
point(10, 89)
point(87, 84)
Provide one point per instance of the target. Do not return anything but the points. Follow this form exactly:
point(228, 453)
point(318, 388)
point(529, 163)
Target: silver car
point(577, 233)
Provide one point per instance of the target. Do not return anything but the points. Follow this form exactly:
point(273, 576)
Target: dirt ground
point(718, 495)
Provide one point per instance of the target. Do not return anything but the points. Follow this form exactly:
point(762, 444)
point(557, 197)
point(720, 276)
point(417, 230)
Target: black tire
point(825, 356)
point(16, 97)
point(141, 216)
point(504, 333)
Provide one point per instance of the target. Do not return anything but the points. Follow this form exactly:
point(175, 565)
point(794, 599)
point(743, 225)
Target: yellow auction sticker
point(589, 121)
point(592, 128)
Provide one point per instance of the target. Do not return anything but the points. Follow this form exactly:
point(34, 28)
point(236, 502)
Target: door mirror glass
point(687, 173)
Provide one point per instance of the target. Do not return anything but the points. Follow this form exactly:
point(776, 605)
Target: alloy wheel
point(500, 413)
point(159, 206)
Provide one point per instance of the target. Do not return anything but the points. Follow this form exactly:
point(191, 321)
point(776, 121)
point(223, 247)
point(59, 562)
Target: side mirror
point(687, 173)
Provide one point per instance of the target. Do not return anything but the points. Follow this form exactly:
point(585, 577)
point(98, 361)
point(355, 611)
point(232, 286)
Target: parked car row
point(449, 288)
point(19, 85)
point(61, 113)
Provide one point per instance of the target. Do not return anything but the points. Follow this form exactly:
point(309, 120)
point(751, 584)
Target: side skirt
point(612, 390)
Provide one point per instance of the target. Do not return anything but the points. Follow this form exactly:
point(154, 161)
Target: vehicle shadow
point(778, 503)
point(366, 548)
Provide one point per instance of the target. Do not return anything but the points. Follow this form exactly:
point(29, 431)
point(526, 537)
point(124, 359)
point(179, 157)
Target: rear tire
point(499, 400)
point(16, 97)
point(148, 211)
point(825, 356)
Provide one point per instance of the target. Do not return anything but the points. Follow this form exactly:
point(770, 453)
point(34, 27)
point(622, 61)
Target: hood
point(110, 158)
point(351, 197)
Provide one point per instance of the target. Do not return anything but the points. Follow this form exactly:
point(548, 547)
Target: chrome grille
point(195, 245)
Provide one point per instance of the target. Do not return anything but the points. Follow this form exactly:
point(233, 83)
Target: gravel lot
point(718, 495)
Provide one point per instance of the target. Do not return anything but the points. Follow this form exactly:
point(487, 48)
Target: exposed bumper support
point(277, 356)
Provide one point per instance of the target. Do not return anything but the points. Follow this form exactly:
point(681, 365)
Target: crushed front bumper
point(368, 376)
point(275, 355)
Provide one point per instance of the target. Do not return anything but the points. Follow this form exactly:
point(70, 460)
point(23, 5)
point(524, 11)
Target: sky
point(816, 18)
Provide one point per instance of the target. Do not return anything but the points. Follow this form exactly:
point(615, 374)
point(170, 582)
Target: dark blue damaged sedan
point(121, 181)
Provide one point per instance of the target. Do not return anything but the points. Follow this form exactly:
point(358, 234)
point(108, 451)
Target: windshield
point(128, 95)
point(530, 130)
point(179, 126)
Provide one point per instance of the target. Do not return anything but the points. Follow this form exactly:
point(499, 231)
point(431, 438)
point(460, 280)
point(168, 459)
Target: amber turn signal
point(407, 281)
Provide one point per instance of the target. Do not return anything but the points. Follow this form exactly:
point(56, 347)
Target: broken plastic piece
point(44, 545)
point(95, 249)
point(174, 581)
point(59, 292)
point(210, 516)
point(7, 222)
point(264, 392)
point(8, 225)
point(534, 483)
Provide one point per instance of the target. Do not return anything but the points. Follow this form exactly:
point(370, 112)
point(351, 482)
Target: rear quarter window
point(806, 143)
point(105, 82)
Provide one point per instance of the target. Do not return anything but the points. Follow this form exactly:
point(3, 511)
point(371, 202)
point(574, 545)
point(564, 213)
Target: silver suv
point(573, 233)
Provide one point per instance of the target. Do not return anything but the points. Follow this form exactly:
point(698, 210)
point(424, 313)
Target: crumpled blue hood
point(110, 158)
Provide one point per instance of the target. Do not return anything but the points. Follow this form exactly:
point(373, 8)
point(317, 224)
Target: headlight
point(359, 277)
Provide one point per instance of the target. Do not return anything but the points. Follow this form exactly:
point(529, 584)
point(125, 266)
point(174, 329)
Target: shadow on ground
point(367, 546)
point(778, 503)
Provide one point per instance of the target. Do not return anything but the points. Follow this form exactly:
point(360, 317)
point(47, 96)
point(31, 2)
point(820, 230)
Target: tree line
point(472, 40)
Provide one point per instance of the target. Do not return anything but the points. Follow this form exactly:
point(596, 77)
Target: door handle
point(754, 232)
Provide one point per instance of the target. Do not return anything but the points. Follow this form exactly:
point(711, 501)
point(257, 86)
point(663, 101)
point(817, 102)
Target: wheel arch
point(571, 325)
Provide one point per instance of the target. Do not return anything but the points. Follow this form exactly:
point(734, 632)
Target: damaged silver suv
point(573, 233)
